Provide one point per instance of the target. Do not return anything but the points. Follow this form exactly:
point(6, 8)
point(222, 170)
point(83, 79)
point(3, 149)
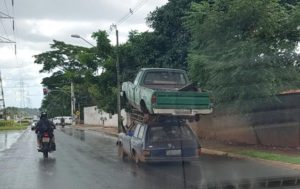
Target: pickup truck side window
point(137, 78)
point(136, 131)
point(141, 132)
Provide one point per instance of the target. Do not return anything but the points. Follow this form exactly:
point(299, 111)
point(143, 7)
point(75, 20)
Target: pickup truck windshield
point(165, 78)
point(167, 133)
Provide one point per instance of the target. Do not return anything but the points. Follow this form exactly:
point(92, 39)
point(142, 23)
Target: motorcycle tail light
point(199, 151)
point(46, 135)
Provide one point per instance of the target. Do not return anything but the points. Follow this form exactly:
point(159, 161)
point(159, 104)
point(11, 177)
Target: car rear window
point(169, 132)
point(165, 78)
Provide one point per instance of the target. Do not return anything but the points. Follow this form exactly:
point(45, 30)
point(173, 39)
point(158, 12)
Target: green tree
point(172, 37)
point(244, 51)
point(71, 63)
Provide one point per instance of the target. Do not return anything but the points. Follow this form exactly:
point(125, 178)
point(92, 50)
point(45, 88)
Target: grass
point(270, 156)
point(15, 126)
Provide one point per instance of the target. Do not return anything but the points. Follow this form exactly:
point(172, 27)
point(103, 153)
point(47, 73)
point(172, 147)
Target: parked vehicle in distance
point(166, 91)
point(160, 141)
point(56, 120)
point(68, 120)
point(33, 124)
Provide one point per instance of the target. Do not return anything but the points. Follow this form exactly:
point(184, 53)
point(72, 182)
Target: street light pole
point(78, 36)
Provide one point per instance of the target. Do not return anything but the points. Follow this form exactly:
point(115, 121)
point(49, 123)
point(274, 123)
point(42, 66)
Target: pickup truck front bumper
point(182, 112)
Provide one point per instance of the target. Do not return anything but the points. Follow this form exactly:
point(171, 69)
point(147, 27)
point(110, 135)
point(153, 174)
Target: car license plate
point(46, 139)
point(173, 152)
point(183, 112)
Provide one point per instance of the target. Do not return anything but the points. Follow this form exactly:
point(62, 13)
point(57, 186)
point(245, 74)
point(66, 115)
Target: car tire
point(136, 159)
point(121, 153)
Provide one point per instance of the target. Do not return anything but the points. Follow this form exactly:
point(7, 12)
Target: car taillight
point(153, 99)
point(146, 153)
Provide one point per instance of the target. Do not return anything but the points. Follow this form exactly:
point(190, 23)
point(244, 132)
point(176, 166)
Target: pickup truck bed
point(157, 91)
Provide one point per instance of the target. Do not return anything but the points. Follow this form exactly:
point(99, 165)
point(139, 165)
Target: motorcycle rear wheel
point(45, 154)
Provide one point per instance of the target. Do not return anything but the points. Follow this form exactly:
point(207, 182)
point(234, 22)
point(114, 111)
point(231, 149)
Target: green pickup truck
point(165, 91)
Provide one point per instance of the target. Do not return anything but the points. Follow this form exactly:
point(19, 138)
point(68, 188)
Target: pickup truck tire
point(121, 152)
point(197, 117)
point(144, 107)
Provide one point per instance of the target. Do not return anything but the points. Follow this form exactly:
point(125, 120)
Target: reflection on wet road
point(89, 160)
point(7, 138)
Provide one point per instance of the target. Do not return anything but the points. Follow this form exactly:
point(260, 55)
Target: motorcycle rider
point(62, 121)
point(42, 126)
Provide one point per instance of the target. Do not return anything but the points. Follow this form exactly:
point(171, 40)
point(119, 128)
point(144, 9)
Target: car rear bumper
point(182, 112)
point(170, 159)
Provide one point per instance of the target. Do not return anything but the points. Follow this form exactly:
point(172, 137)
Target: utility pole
point(2, 102)
point(73, 102)
point(118, 80)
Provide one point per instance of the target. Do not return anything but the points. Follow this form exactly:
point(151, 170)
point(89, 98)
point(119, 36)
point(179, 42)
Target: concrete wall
point(95, 116)
point(271, 125)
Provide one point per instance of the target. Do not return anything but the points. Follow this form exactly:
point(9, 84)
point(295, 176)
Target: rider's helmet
point(43, 115)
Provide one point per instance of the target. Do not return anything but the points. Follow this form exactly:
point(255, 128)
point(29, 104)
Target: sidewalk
point(113, 131)
point(278, 156)
point(287, 157)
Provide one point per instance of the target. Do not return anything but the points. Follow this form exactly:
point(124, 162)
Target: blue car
point(164, 140)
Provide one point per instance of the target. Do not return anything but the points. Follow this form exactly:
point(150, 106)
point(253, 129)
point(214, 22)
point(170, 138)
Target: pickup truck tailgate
point(181, 102)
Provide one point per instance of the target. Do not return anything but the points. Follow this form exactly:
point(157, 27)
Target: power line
point(6, 16)
point(128, 15)
point(6, 6)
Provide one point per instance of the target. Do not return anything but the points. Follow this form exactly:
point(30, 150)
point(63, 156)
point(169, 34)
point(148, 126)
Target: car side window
point(141, 132)
point(136, 131)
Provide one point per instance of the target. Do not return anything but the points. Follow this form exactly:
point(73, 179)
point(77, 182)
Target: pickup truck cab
point(160, 91)
point(160, 141)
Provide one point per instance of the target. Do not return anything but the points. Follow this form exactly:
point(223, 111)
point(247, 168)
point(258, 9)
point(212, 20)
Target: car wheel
point(136, 159)
point(121, 153)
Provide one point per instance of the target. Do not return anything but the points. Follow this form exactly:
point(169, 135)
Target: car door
point(127, 140)
point(137, 139)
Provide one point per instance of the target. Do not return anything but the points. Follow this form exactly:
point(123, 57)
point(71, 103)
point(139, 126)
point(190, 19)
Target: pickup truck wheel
point(121, 153)
point(197, 117)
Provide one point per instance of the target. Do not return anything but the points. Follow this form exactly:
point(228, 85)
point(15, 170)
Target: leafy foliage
point(244, 51)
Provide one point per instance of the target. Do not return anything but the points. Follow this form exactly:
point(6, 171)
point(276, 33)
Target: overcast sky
point(38, 22)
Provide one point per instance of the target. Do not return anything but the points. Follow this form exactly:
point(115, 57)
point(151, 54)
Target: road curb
point(209, 151)
point(107, 133)
point(238, 156)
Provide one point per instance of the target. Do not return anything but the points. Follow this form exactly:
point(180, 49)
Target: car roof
point(161, 69)
point(167, 122)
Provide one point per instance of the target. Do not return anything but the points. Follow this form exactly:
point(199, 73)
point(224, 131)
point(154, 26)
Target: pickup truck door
point(138, 139)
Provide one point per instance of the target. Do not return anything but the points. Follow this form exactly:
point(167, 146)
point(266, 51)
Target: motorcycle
point(47, 145)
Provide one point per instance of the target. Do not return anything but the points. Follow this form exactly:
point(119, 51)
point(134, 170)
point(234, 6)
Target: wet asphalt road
point(87, 160)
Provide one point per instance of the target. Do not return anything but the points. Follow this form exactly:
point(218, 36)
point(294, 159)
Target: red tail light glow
point(153, 99)
point(199, 151)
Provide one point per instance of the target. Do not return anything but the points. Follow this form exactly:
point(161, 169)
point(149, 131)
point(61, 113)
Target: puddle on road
point(8, 138)
point(77, 133)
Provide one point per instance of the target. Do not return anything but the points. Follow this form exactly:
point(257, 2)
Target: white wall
point(95, 116)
